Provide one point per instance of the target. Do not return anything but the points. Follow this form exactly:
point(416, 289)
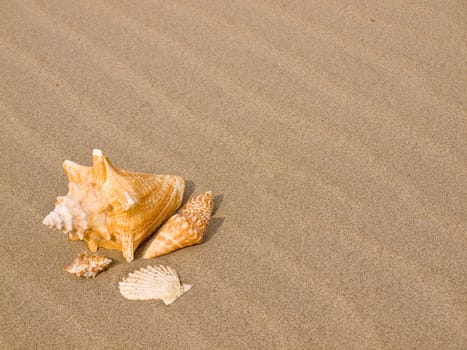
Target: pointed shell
point(111, 208)
point(153, 282)
point(88, 265)
point(184, 229)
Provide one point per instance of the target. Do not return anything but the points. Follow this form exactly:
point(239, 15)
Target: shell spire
point(184, 229)
point(112, 208)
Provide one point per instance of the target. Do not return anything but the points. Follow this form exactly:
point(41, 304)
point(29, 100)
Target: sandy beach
point(332, 134)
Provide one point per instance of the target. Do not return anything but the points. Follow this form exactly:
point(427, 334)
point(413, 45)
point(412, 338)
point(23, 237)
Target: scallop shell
point(88, 265)
point(112, 208)
point(184, 229)
point(153, 282)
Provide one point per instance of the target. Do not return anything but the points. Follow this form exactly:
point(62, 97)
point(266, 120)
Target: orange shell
point(112, 208)
point(184, 229)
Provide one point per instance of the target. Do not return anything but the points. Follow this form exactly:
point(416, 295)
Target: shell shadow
point(142, 247)
point(216, 222)
point(213, 227)
point(189, 189)
point(217, 203)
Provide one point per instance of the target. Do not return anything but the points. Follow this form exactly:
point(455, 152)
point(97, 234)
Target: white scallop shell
point(153, 282)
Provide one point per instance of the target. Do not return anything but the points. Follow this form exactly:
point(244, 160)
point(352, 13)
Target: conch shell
point(88, 265)
point(153, 282)
point(184, 229)
point(112, 208)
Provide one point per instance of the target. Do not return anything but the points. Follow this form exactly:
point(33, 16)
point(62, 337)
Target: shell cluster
point(111, 208)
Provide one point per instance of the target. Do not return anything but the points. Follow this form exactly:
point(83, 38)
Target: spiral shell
point(88, 265)
point(184, 229)
point(111, 208)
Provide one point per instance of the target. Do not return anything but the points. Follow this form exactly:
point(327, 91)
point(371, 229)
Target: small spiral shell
point(184, 229)
point(88, 265)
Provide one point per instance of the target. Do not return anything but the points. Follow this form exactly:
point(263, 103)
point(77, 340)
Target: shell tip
point(97, 152)
point(128, 257)
point(147, 255)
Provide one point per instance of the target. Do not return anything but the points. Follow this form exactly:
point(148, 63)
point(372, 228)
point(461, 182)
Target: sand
point(332, 133)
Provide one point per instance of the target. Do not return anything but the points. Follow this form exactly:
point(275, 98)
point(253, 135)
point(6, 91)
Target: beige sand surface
point(332, 132)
